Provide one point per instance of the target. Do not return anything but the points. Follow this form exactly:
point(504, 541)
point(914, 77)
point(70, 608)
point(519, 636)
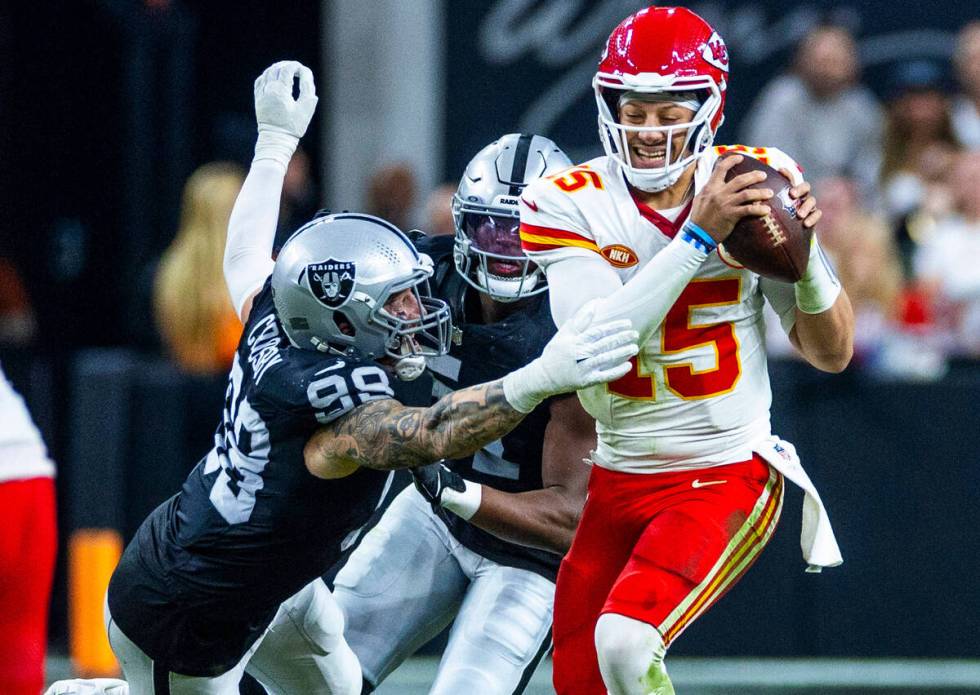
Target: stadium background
point(108, 106)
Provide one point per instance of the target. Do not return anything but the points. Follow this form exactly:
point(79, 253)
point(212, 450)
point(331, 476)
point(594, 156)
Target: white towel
point(817, 539)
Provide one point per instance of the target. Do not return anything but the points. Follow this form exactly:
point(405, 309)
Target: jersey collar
point(668, 228)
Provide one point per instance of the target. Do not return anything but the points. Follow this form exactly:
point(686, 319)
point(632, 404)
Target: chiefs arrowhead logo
point(716, 52)
point(619, 256)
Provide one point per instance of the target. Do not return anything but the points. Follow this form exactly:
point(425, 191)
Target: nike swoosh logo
point(696, 483)
point(532, 205)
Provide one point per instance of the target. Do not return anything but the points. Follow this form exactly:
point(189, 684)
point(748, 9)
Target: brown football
point(776, 246)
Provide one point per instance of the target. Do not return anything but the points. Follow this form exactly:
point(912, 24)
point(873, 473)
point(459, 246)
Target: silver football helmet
point(332, 280)
point(487, 251)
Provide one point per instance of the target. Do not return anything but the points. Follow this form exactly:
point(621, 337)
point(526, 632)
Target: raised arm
point(387, 435)
point(282, 121)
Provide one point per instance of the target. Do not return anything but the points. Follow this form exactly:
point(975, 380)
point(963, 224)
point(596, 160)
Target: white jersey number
point(245, 449)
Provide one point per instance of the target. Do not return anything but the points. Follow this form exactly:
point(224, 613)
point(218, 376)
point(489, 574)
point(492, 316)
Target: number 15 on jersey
point(678, 334)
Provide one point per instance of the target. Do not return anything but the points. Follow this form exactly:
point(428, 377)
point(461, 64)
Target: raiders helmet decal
point(331, 281)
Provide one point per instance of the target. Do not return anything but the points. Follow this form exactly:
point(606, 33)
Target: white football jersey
point(22, 451)
point(698, 394)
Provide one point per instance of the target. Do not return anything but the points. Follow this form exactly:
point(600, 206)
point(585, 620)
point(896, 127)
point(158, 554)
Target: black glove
point(432, 480)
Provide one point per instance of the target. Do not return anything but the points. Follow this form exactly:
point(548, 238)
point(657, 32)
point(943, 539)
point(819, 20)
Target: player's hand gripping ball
point(776, 246)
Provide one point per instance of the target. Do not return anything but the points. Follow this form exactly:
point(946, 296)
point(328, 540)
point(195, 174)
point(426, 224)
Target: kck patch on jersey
point(331, 281)
point(619, 256)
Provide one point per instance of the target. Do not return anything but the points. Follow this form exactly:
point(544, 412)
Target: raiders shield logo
point(331, 281)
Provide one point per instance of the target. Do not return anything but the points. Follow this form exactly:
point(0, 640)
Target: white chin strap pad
point(410, 367)
point(504, 289)
point(653, 182)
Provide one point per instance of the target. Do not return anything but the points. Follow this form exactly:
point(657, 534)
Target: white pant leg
point(500, 633)
point(138, 669)
point(401, 586)
point(89, 686)
point(303, 651)
point(631, 656)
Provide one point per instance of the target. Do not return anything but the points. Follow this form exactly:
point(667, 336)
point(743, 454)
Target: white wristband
point(463, 504)
point(819, 287)
point(275, 145)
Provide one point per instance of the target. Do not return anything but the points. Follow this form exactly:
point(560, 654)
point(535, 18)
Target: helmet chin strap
point(653, 182)
point(410, 367)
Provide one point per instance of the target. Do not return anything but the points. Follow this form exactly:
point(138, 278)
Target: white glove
point(586, 351)
point(94, 686)
point(282, 120)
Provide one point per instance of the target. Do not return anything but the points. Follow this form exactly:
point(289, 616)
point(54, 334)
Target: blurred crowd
point(898, 180)
point(896, 173)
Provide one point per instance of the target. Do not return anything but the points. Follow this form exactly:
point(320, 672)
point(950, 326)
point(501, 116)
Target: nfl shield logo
point(331, 281)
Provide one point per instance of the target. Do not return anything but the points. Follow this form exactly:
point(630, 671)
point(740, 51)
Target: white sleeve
point(552, 226)
point(574, 281)
point(252, 231)
point(645, 299)
point(782, 298)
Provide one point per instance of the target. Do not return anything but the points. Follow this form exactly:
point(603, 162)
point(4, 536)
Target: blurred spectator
point(192, 308)
point(929, 193)
point(966, 106)
point(439, 211)
point(391, 194)
point(27, 545)
point(861, 247)
point(948, 261)
point(918, 141)
point(819, 114)
point(299, 203)
point(17, 323)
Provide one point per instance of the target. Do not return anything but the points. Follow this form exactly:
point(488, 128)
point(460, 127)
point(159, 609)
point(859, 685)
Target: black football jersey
point(486, 352)
point(250, 527)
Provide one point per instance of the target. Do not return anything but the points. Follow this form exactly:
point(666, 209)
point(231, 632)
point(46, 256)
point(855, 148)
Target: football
point(776, 246)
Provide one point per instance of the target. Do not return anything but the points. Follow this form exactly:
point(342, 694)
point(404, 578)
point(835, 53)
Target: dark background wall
point(107, 107)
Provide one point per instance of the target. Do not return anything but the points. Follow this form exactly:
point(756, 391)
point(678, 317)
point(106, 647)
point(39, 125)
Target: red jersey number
point(678, 335)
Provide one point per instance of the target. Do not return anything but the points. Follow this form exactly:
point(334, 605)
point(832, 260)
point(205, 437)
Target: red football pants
point(661, 548)
point(28, 538)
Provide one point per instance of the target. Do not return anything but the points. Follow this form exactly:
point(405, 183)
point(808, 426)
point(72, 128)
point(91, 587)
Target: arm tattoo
point(386, 435)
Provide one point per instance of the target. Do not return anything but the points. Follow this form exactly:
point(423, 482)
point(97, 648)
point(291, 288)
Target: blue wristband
point(697, 237)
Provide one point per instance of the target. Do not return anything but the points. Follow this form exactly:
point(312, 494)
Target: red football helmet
point(667, 51)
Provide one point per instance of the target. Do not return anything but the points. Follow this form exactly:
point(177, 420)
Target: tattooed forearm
point(387, 435)
point(462, 422)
